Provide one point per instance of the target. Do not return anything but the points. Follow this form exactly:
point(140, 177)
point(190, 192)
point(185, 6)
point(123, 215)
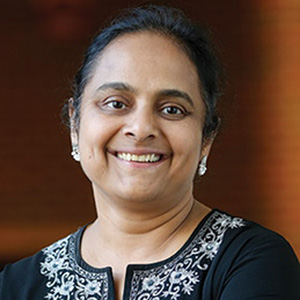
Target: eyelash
point(110, 104)
point(180, 110)
point(119, 105)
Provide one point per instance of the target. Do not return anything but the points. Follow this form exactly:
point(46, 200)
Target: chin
point(138, 195)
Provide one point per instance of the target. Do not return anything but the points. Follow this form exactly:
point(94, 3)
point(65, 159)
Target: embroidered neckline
point(181, 274)
point(70, 277)
point(206, 221)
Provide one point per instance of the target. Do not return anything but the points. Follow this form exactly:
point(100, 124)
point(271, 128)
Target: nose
point(141, 125)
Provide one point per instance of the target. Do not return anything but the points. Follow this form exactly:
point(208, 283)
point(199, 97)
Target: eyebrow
point(121, 86)
point(177, 94)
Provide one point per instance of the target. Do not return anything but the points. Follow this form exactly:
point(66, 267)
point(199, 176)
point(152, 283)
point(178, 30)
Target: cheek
point(94, 134)
point(186, 143)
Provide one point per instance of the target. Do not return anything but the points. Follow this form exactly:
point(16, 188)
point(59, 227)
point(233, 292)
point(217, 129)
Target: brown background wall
point(254, 169)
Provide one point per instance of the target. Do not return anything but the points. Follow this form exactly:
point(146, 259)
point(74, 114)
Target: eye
point(114, 104)
point(172, 110)
point(118, 105)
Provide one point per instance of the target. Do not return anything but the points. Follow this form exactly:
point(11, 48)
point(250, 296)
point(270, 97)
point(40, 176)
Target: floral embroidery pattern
point(66, 279)
point(181, 274)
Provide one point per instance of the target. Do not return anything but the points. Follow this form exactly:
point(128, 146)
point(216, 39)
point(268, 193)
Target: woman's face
point(141, 120)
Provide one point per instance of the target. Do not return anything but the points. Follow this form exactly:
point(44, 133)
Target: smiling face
point(141, 120)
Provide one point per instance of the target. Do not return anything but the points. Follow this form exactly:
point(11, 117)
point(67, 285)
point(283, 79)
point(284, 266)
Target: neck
point(144, 216)
point(145, 232)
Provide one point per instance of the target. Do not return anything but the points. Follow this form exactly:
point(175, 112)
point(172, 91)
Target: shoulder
point(254, 240)
point(241, 235)
point(25, 279)
point(256, 262)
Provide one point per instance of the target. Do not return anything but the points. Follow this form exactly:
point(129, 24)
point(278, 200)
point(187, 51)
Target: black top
point(226, 258)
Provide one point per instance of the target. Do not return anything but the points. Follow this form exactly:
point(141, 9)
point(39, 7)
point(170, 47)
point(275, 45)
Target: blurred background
point(254, 168)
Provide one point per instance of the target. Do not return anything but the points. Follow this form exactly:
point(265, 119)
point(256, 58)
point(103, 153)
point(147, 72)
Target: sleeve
point(22, 280)
point(258, 265)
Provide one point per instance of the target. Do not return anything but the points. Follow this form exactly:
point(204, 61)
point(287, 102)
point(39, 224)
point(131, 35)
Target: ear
point(73, 123)
point(206, 146)
point(208, 142)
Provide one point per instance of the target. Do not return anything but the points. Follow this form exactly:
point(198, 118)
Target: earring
point(75, 152)
point(202, 166)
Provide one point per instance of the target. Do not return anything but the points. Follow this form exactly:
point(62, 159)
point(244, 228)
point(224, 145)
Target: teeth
point(139, 158)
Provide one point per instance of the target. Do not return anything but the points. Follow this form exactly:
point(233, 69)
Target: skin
point(143, 98)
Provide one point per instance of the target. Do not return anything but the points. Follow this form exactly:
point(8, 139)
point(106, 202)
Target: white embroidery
point(66, 280)
point(181, 274)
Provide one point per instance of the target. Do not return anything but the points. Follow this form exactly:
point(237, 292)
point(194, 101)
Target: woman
point(142, 122)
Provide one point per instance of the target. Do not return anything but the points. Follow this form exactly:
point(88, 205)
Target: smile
point(151, 157)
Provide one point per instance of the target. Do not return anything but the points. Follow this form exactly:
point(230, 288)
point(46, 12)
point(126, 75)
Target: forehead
point(147, 60)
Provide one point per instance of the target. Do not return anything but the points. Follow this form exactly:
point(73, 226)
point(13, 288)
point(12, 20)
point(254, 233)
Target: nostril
point(130, 133)
point(139, 136)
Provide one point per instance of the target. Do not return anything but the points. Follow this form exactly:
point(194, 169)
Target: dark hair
point(194, 40)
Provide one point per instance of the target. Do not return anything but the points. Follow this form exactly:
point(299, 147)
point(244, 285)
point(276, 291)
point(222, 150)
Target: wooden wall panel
point(254, 165)
point(280, 94)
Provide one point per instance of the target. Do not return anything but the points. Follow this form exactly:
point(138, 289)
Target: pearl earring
point(202, 166)
point(75, 152)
